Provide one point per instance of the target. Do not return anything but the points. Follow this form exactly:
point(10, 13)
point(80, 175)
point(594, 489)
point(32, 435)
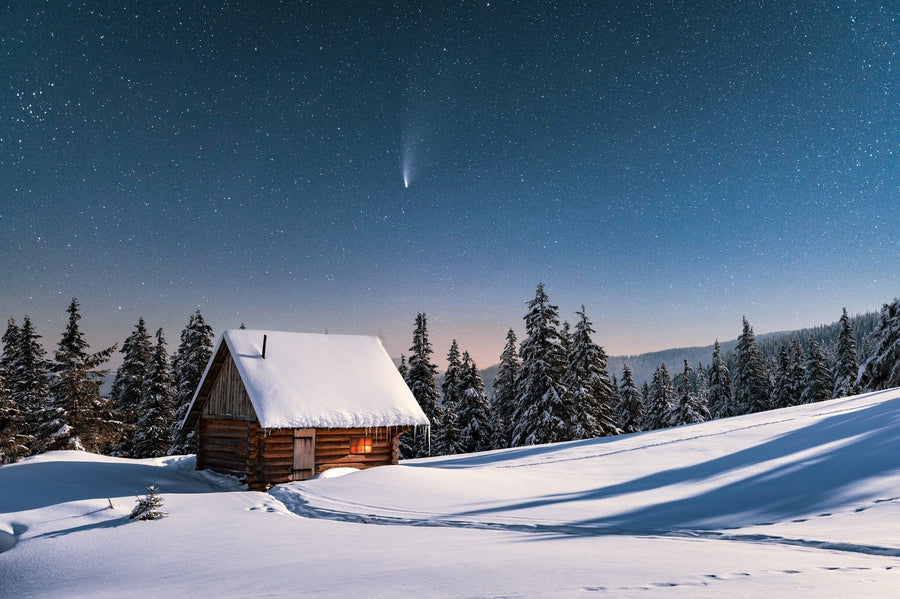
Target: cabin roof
point(309, 380)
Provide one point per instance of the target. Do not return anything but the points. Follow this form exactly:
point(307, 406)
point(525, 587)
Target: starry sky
point(341, 166)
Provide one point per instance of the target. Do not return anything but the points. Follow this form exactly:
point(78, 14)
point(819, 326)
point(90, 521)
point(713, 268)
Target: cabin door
point(304, 453)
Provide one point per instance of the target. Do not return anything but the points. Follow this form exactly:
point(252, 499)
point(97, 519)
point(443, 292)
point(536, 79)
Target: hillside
point(799, 502)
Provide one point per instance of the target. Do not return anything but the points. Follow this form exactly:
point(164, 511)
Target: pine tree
point(818, 384)
point(505, 393)
point(781, 392)
point(882, 369)
point(702, 387)
point(78, 417)
point(153, 430)
point(587, 380)
point(751, 389)
point(13, 438)
point(188, 365)
point(847, 367)
point(660, 400)
point(474, 408)
point(447, 440)
point(421, 381)
point(688, 409)
point(27, 373)
point(631, 407)
point(543, 412)
point(403, 369)
point(129, 383)
point(721, 402)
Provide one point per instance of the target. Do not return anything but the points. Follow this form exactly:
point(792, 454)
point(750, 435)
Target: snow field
point(801, 502)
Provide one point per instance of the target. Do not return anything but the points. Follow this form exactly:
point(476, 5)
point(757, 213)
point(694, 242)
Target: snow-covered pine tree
point(631, 406)
point(13, 438)
point(10, 341)
point(882, 369)
point(147, 507)
point(129, 383)
point(781, 392)
point(702, 387)
point(27, 373)
point(447, 440)
point(474, 408)
point(751, 389)
point(660, 400)
point(846, 368)
point(818, 384)
point(78, 416)
point(403, 369)
point(153, 430)
point(543, 412)
point(188, 365)
point(587, 380)
point(421, 381)
point(504, 406)
point(687, 409)
point(721, 402)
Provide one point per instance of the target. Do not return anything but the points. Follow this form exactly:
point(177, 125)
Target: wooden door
point(304, 453)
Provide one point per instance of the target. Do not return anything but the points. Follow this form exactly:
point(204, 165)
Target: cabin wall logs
point(261, 457)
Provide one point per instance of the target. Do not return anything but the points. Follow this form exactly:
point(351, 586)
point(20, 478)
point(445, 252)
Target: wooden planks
point(228, 397)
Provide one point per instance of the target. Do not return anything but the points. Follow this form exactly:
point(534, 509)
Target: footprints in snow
point(712, 578)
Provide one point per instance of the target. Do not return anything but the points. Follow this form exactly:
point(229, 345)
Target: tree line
point(556, 386)
point(50, 404)
point(553, 386)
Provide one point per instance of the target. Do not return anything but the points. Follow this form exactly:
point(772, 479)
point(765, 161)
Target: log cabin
point(275, 407)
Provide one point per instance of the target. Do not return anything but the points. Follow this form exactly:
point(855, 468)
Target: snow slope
point(802, 502)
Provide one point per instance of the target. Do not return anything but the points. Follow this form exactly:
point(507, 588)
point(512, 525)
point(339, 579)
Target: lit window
point(361, 445)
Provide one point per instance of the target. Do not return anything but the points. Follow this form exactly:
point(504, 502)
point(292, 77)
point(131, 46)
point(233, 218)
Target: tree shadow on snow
point(870, 447)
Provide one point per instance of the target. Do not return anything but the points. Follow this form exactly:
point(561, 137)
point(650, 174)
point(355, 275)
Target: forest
point(556, 385)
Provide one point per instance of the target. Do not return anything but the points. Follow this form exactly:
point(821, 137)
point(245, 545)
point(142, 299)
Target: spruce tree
point(421, 381)
point(688, 408)
point(128, 385)
point(587, 380)
point(78, 417)
point(660, 400)
point(721, 400)
point(27, 373)
point(474, 408)
point(631, 406)
point(543, 411)
point(13, 437)
point(447, 438)
point(847, 367)
point(882, 369)
point(818, 384)
point(781, 392)
point(504, 406)
point(403, 369)
point(751, 389)
point(153, 430)
point(188, 365)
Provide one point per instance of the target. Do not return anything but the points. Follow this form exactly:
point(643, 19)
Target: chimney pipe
point(264, 348)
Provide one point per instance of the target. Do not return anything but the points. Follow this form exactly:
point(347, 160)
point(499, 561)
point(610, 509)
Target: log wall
point(262, 457)
point(226, 446)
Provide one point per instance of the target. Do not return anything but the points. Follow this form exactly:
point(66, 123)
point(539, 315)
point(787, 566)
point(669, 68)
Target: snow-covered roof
point(309, 380)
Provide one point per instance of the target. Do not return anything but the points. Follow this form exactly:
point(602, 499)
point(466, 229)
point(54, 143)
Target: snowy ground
point(803, 502)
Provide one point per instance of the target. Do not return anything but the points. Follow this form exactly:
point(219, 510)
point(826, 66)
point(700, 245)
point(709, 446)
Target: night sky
point(342, 166)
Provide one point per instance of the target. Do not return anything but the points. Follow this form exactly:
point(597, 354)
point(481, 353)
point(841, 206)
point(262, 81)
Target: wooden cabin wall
point(227, 446)
point(275, 458)
point(228, 397)
point(333, 448)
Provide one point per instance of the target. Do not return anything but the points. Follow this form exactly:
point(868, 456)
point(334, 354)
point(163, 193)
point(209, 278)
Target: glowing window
point(361, 445)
